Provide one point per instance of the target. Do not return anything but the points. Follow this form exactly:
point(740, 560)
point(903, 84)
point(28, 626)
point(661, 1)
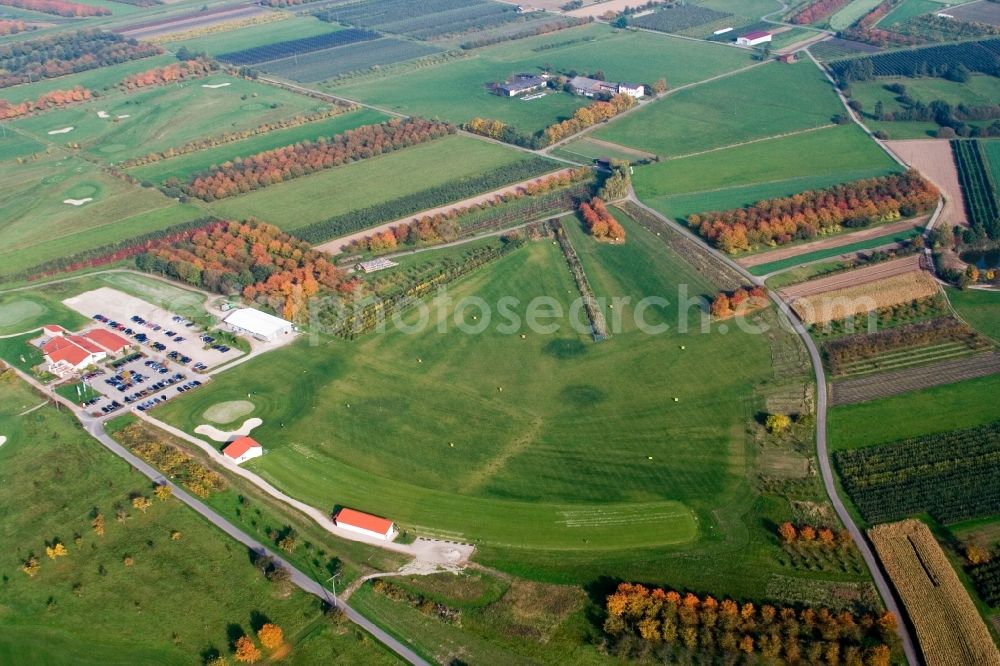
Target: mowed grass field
point(455, 90)
point(583, 449)
point(745, 174)
point(184, 166)
point(730, 110)
point(981, 309)
point(37, 226)
point(22, 311)
point(322, 195)
point(52, 478)
point(167, 116)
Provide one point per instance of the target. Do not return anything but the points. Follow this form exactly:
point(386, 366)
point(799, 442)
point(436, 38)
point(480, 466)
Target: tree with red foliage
point(58, 8)
point(600, 223)
point(45, 101)
point(178, 71)
point(818, 10)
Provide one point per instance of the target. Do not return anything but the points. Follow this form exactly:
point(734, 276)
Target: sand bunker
point(217, 435)
point(64, 130)
point(227, 412)
point(78, 202)
point(124, 115)
point(3, 440)
point(214, 85)
point(103, 114)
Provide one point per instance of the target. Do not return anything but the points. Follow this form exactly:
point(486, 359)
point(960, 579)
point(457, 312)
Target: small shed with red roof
point(243, 449)
point(366, 524)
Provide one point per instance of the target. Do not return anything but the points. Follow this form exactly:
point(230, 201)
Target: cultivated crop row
point(675, 18)
point(422, 20)
point(982, 56)
point(894, 382)
point(978, 188)
point(292, 47)
point(952, 475)
point(949, 628)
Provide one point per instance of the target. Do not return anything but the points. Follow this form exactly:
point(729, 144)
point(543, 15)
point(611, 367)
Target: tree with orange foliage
point(746, 645)
point(246, 651)
point(788, 532)
point(808, 533)
point(271, 636)
point(720, 306)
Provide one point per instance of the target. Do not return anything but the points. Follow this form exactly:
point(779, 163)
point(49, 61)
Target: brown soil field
point(933, 159)
point(859, 299)
point(857, 277)
point(151, 29)
point(949, 628)
point(983, 11)
point(831, 242)
point(600, 9)
point(886, 384)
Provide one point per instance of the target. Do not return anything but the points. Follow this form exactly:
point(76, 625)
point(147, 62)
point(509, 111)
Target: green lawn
point(851, 13)
point(896, 237)
point(52, 478)
point(296, 27)
point(27, 310)
point(949, 407)
point(454, 91)
point(167, 116)
point(804, 273)
point(14, 144)
point(183, 166)
point(981, 309)
point(730, 111)
point(992, 150)
point(37, 226)
point(746, 174)
point(979, 90)
point(322, 195)
point(909, 9)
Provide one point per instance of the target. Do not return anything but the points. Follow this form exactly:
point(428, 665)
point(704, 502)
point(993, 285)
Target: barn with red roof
point(243, 449)
point(366, 524)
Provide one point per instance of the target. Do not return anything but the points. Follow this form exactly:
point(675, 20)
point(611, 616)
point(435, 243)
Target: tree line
point(10, 27)
point(445, 226)
point(280, 164)
point(44, 102)
point(818, 10)
point(268, 266)
point(744, 299)
point(177, 71)
point(665, 624)
point(808, 214)
point(598, 323)
point(58, 8)
point(67, 53)
point(600, 223)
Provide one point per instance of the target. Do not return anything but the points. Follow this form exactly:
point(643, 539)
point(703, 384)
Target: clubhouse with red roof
point(67, 353)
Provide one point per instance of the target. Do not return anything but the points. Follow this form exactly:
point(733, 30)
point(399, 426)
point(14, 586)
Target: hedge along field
point(47, 618)
point(166, 116)
point(37, 226)
point(98, 80)
point(319, 196)
point(562, 463)
point(730, 110)
point(743, 175)
point(454, 90)
point(184, 165)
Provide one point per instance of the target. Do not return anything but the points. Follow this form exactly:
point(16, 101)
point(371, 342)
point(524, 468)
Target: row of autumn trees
point(805, 215)
point(58, 7)
point(444, 226)
point(176, 71)
point(637, 615)
point(600, 223)
point(267, 265)
point(12, 27)
point(727, 303)
point(815, 11)
point(274, 166)
point(45, 101)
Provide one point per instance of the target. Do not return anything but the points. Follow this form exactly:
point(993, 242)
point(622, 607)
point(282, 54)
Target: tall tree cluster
point(599, 222)
point(176, 71)
point(45, 101)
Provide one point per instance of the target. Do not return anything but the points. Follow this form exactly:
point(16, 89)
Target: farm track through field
point(853, 278)
point(831, 242)
point(886, 384)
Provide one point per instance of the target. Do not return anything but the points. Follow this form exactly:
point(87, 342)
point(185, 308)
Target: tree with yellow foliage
point(141, 503)
point(163, 492)
point(246, 651)
point(271, 636)
point(98, 524)
point(57, 549)
point(30, 566)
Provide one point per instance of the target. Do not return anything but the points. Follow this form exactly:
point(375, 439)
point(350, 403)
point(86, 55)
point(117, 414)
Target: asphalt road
point(826, 472)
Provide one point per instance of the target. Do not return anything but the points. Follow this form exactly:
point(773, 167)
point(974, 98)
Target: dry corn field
point(949, 629)
point(861, 298)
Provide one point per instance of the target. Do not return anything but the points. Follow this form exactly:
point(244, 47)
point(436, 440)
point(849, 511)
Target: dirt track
point(831, 242)
point(852, 278)
point(885, 384)
point(933, 159)
point(336, 246)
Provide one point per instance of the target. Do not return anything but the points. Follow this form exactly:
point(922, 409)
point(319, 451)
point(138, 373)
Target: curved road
point(888, 596)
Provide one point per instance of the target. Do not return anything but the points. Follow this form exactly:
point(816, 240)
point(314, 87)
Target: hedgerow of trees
point(598, 323)
point(818, 10)
point(170, 460)
point(268, 266)
point(12, 27)
point(45, 101)
point(808, 214)
point(58, 8)
point(176, 71)
point(599, 222)
point(677, 625)
point(744, 299)
point(274, 166)
point(67, 53)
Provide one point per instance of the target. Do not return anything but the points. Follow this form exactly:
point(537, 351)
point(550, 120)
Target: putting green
point(113, 148)
point(16, 312)
point(227, 412)
point(81, 191)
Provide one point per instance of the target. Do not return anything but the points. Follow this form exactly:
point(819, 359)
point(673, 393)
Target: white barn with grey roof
point(263, 326)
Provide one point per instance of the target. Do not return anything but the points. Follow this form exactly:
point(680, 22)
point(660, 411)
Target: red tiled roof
point(365, 521)
point(67, 351)
point(239, 446)
point(53, 328)
point(106, 339)
point(86, 344)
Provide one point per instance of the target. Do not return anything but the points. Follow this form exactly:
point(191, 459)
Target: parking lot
point(173, 353)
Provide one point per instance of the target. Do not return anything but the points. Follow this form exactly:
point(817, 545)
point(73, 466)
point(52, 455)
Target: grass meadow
point(321, 195)
point(455, 90)
point(295, 27)
point(37, 226)
point(980, 309)
point(54, 478)
point(167, 116)
point(729, 111)
point(745, 174)
point(184, 166)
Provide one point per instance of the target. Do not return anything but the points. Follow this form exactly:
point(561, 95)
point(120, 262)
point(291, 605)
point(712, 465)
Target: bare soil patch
point(886, 384)
point(830, 242)
point(983, 11)
point(933, 159)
